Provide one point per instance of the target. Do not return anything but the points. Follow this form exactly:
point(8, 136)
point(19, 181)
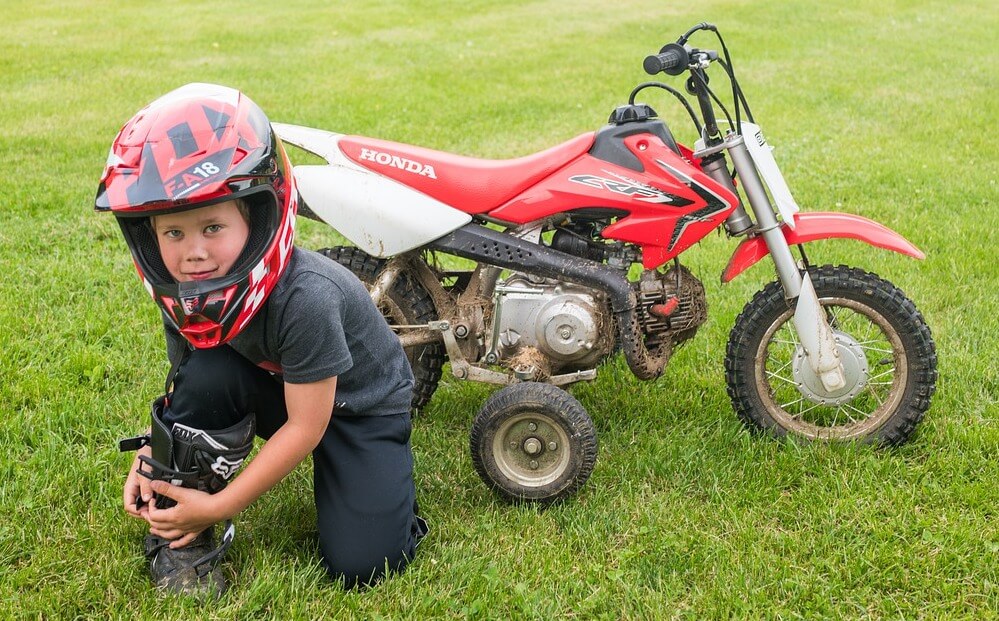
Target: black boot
point(190, 570)
point(197, 459)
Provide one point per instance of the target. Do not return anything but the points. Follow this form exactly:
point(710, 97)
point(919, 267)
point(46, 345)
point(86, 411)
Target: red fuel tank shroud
point(667, 206)
point(671, 204)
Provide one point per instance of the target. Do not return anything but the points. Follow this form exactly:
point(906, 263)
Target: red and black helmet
point(198, 145)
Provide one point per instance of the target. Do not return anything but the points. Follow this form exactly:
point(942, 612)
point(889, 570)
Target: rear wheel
point(888, 356)
point(407, 303)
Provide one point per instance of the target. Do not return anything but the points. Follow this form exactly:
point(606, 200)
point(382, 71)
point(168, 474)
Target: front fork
point(814, 333)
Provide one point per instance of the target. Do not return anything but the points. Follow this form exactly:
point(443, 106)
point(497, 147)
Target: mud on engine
point(557, 326)
point(568, 325)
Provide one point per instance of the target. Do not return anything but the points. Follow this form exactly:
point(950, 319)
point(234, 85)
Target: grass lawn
point(881, 109)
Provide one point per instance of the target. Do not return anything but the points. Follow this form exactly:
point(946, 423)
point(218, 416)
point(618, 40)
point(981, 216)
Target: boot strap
point(126, 445)
point(159, 472)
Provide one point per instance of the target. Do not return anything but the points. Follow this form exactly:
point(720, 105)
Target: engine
point(542, 326)
point(551, 325)
point(672, 305)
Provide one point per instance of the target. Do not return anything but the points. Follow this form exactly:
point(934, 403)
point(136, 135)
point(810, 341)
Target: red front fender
point(821, 225)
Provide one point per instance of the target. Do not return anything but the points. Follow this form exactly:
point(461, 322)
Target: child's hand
point(194, 512)
point(136, 488)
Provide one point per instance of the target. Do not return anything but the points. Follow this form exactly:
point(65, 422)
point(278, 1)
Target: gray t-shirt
point(317, 323)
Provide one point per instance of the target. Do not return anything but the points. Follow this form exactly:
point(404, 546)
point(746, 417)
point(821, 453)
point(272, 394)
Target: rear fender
point(821, 225)
point(379, 215)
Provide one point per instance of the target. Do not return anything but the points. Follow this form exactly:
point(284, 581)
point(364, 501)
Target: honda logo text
point(395, 161)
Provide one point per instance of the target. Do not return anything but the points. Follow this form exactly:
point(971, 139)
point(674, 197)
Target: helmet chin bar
point(202, 335)
point(203, 312)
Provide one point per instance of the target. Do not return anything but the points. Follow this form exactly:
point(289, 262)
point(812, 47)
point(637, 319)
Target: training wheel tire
point(533, 442)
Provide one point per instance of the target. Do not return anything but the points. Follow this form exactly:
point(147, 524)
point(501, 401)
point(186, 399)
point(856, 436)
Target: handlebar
point(673, 59)
point(679, 58)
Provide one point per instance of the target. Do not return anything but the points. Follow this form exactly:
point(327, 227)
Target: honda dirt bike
point(823, 353)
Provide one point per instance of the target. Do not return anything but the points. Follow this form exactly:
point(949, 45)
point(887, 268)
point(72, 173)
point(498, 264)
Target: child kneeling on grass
point(264, 339)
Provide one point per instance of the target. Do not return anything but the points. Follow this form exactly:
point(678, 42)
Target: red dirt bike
point(823, 353)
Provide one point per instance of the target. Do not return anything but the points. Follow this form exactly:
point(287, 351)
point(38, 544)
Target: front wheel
point(889, 360)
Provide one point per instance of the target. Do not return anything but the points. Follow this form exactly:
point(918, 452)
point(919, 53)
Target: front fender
point(821, 225)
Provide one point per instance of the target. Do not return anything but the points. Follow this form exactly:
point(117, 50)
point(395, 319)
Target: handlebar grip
point(673, 59)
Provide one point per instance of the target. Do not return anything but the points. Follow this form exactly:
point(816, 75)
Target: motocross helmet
point(199, 145)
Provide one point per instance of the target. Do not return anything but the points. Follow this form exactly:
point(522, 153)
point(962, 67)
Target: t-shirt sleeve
point(312, 341)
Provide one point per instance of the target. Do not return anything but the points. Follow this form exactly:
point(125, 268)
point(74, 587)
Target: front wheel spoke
point(782, 378)
point(784, 406)
point(871, 327)
point(890, 371)
point(805, 411)
point(862, 413)
point(879, 356)
point(862, 328)
point(879, 350)
point(794, 335)
point(831, 317)
point(876, 396)
point(847, 413)
point(783, 342)
point(867, 346)
point(782, 367)
point(836, 416)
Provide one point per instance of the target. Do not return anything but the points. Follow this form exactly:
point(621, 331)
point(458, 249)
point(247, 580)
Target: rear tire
point(407, 303)
point(887, 351)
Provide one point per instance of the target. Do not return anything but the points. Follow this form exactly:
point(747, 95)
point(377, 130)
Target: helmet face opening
point(263, 220)
point(198, 146)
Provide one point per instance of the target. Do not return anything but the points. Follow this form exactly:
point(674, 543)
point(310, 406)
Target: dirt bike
point(575, 252)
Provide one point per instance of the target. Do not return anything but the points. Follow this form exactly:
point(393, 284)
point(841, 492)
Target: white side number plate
point(767, 165)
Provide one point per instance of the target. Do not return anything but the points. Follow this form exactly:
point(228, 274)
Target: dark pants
point(363, 466)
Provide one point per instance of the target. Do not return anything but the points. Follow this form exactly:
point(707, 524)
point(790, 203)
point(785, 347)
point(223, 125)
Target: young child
point(264, 339)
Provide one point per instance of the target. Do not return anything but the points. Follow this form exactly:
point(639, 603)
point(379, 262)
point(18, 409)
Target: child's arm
point(309, 408)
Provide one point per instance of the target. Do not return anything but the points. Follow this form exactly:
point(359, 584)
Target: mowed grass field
point(883, 109)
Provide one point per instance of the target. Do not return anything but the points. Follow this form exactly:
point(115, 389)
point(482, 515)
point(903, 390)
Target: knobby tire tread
point(847, 282)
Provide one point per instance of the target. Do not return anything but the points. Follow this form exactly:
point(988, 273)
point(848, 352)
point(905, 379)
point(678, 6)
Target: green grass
point(883, 109)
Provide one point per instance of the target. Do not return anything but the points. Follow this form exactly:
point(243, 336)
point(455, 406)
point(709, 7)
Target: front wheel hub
point(855, 372)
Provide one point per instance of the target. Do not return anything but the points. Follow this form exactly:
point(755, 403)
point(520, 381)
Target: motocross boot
point(192, 570)
point(196, 459)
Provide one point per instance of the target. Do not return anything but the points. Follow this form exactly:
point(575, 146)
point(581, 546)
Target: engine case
point(567, 323)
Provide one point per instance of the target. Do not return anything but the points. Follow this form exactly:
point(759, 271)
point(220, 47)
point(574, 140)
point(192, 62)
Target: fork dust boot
point(197, 459)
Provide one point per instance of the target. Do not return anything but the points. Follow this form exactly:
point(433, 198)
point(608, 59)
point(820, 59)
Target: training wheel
point(533, 442)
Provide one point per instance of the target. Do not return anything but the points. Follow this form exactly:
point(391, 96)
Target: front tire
point(885, 345)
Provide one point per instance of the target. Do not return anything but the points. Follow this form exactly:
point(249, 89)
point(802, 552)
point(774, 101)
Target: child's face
point(201, 243)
